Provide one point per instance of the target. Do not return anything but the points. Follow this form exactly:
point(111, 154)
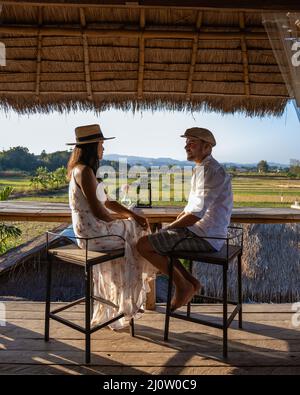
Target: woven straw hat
point(89, 134)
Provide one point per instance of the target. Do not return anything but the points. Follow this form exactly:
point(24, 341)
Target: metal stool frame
point(88, 298)
point(224, 300)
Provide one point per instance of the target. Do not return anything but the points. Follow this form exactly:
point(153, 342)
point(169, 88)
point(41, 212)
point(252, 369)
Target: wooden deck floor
point(268, 344)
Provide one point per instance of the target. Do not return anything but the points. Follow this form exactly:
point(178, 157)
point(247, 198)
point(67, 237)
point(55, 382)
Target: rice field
point(248, 191)
point(30, 230)
point(257, 192)
point(18, 183)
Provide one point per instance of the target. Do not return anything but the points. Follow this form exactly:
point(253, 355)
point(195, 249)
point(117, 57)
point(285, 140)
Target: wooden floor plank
point(160, 316)
point(193, 334)
point(277, 325)
point(124, 370)
point(268, 344)
point(126, 344)
point(249, 308)
point(149, 358)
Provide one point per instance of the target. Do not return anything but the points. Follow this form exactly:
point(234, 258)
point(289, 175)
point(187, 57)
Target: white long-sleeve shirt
point(211, 200)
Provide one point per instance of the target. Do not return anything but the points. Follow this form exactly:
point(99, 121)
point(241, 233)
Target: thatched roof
point(84, 55)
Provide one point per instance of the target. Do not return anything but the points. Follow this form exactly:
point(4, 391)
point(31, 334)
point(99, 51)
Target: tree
point(43, 155)
point(46, 179)
point(60, 176)
point(41, 178)
point(54, 160)
point(295, 167)
point(5, 192)
point(232, 169)
point(18, 158)
point(262, 166)
point(7, 232)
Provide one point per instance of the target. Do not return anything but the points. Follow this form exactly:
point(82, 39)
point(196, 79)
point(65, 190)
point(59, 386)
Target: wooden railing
point(11, 210)
point(60, 212)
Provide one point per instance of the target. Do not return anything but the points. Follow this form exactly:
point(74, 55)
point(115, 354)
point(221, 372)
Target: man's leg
point(182, 278)
point(187, 275)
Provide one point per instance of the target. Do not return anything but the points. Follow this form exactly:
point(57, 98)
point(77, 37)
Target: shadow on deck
point(268, 344)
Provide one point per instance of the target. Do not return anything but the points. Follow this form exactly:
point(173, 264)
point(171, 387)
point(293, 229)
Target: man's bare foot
point(197, 285)
point(189, 277)
point(183, 295)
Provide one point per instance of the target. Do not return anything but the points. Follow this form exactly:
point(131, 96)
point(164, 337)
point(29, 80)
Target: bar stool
point(222, 258)
point(63, 249)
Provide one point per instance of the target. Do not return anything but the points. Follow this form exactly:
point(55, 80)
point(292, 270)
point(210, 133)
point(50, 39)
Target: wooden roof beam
point(86, 56)
point(244, 54)
point(141, 55)
point(39, 54)
point(31, 30)
point(253, 5)
point(194, 56)
point(149, 93)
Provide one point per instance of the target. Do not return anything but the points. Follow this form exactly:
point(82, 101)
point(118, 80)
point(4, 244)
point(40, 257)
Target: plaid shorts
point(164, 241)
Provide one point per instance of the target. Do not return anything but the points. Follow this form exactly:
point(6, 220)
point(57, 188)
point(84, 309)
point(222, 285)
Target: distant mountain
point(284, 165)
point(134, 160)
point(272, 164)
point(145, 161)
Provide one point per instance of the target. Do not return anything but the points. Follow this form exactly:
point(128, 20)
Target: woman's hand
point(142, 221)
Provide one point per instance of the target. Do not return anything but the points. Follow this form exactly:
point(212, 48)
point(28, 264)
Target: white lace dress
point(122, 281)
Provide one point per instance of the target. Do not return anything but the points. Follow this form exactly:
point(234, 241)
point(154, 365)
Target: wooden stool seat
point(73, 254)
point(221, 257)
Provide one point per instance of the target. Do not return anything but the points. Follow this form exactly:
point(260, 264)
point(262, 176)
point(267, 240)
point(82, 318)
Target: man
point(207, 213)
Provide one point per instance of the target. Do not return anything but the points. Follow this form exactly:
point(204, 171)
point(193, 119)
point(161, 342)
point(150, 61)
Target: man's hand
point(187, 219)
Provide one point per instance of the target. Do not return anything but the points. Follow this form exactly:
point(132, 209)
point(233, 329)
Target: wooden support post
point(39, 53)
point(86, 56)
point(193, 57)
point(244, 55)
point(141, 55)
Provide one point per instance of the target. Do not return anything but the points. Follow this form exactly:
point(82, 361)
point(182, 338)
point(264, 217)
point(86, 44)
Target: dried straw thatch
point(271, 266)
point(27, 281)
point(75, 56)
point(23, 273)
point(270, 270)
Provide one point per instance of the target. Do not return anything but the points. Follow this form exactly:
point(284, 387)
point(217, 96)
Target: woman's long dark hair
point(84, 154)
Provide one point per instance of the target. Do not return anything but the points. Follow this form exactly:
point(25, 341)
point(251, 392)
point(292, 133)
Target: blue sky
point(156, 134)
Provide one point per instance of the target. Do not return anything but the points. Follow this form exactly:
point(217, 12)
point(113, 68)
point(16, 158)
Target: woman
point(123, 281)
